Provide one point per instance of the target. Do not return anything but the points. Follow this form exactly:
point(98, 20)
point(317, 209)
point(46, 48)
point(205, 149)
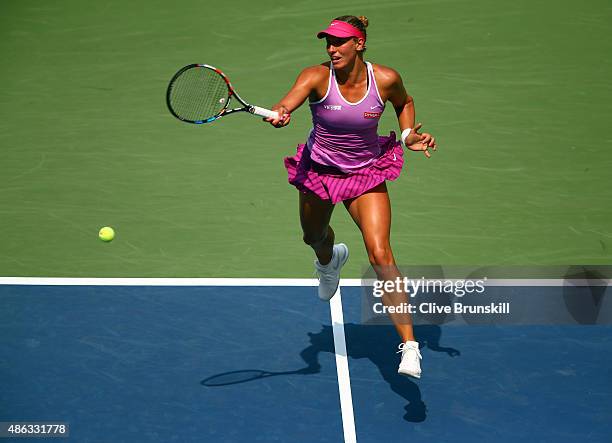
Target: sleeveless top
point(344, 134)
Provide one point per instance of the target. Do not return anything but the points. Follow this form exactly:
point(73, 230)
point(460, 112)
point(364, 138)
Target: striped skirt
point(332, 184)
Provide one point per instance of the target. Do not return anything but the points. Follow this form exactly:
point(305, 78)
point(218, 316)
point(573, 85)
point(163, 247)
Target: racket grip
point(263, 112)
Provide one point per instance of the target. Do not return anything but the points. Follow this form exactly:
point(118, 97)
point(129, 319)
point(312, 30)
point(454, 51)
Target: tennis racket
point(202, 94)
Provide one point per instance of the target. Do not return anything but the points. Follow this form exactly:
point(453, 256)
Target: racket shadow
point(243, 376)
point(309, 355)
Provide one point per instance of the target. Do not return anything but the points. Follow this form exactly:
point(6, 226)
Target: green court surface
point(518, 95)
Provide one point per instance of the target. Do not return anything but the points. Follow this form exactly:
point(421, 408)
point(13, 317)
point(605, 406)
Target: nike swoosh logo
point(374, 107)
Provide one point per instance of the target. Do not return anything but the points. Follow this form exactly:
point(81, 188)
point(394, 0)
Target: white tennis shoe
point(329, 274)
point(411, 359)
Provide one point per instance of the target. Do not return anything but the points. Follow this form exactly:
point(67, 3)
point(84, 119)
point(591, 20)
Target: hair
point(360, 23)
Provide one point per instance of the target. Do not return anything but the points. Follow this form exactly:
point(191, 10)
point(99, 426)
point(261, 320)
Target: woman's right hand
point(284, 117)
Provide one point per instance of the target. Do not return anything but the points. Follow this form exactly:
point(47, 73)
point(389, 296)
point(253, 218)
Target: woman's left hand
point(421, 142)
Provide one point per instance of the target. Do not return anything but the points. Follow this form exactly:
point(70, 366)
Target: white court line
point(91, 281)
point(344, 380)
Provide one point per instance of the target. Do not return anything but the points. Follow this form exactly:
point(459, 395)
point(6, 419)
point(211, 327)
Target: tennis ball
point(106, 234)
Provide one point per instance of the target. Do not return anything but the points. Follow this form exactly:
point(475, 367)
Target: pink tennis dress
point(344, 157)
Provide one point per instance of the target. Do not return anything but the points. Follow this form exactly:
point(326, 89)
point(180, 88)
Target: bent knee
point(381, 256)
point(314, 239)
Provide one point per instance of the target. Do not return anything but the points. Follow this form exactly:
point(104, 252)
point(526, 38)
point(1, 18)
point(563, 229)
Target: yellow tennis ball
point(106, 234)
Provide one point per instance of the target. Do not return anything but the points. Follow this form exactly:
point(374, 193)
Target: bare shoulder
point(315, 72)
point(386, 77)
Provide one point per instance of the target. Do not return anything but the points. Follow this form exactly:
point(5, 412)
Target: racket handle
point(263, 112)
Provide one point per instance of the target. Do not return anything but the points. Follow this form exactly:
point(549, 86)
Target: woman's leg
point(372, 214)
point(314, 218)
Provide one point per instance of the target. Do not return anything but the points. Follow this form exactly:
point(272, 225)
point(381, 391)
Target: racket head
point(198, 94)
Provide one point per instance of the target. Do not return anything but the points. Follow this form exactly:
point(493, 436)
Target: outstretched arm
point(304, 86)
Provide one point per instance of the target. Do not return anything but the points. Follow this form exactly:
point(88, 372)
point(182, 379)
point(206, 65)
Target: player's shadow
point(376, 343)
point(379, 344)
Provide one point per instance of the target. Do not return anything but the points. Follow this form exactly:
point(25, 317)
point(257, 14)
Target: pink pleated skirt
point(332, 184)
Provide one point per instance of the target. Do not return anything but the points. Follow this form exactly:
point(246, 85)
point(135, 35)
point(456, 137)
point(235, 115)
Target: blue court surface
point(165, 364)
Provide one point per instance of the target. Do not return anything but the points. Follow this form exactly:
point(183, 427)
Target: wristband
point(405, 133)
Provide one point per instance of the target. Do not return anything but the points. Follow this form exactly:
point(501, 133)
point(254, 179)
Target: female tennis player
point(344, 160)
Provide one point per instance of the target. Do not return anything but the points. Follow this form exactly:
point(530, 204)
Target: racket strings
point(198, 94)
